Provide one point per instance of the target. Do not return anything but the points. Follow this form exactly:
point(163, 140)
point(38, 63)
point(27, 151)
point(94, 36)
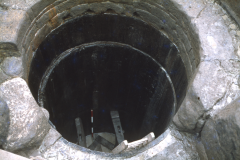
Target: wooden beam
point(117, 126)
point(80, 132)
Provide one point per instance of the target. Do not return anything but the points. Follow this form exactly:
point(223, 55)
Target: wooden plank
point(139, 143)
point(104, 142)
point(121, 147)
point(150, 137)
point(80, 132)
point(94, 145)
point(117, 126)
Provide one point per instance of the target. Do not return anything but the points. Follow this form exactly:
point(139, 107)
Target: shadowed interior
point(128, 76)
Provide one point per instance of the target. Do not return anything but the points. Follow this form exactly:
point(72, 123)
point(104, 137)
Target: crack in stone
point(199, 14)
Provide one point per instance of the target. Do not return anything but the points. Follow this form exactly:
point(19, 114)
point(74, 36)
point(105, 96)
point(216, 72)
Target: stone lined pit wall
point(36, 21)
point(215, 83)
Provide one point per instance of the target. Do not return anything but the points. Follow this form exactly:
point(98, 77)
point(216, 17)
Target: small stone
point(225, 17)
point(238, 33)
point(12, 66)
point(238, 52)
point(233, 26)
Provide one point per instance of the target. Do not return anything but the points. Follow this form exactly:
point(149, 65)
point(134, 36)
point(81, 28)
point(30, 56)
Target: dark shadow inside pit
point(124, 76)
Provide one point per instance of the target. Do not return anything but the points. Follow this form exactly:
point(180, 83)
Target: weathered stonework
point(28, 124)
point(207, 36)
point(220, 135)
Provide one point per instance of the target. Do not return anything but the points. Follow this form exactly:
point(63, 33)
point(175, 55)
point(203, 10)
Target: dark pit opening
point(108, 62)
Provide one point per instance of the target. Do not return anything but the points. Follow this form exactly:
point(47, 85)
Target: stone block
point(190, 112)
point(49, 139)
point(12, 66)
point(118, 8)
point(40, 35)
point(10, 23)
point(184, 56)
point(78, 10)
point(66, 5)
point(30, 14)
point(208, 88)
point(28, 124)
point(58, 19)
point(8, 53)
point(46, 17)
point(30, 36)
point(39, 5)
point(8, 46)
point(97, 7)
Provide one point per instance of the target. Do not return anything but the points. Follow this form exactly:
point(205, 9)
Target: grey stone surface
point(180, 146)
point(4, 121)
point(174, 151)
point(28, 124)
point(10, 21)
point(190, 113)
point(12, 66)
point(220, 135)
point(4, 155)
point(216, 82)
point(37, 158)
point(49, 139)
